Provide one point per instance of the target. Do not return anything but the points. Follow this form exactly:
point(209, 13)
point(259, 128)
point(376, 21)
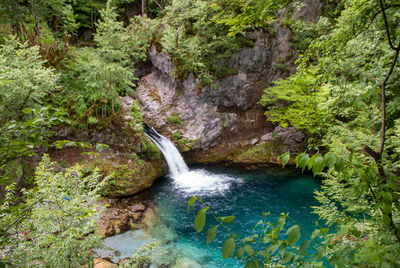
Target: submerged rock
point(187, 263)
point(126, 214)
point(149, 219)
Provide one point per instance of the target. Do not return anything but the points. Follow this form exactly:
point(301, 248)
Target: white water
point(185, 180)
point(174, 159)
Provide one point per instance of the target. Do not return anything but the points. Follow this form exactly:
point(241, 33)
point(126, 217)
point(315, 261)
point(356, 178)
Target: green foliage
point(344, 71)
point(57, 13)
point(20, 139)
point(84, 11)
point(149, 150)
point(176, 135)
point(241, 16)
point(270, 245)
point(96, 77)
point(293, 101)
point(194, 41)
point(27, 81)
point(175, 119)
point(54, 222)
point(140, 257)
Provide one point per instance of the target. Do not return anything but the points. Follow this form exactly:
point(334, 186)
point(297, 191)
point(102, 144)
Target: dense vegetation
point(344, 94)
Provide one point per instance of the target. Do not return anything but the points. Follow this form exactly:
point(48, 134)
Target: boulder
point(267, 137)
point(103, 263)
point(122, 215)
point(254, 141)
point(299, 136)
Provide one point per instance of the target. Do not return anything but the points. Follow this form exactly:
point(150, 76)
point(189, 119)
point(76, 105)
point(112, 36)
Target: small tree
point(27, 81)
point(54, 224)
point(99, 75)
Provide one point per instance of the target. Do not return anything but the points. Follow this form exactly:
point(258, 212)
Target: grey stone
point(299, 136)
point(267, 137)
point(253, 141)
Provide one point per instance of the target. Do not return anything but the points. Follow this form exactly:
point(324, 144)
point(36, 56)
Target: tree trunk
point(143, 8)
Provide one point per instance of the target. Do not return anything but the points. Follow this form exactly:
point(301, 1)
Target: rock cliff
point(226, 116)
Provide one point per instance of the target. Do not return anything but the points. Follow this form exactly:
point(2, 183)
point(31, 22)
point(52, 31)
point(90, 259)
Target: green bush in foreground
point(54, 223)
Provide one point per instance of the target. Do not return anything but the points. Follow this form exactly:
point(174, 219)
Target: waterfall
point(174, 159)
point(188, 181)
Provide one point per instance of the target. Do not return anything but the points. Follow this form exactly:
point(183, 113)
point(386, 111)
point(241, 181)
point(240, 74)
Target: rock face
point(225, 115)
point(132, 159)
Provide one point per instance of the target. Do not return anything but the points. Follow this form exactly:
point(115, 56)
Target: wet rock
point(121, 262)
point(138, 208)
point(149, 218)
point(136, 216)
point(138, 226)
point(122, 215)
point(103, 263)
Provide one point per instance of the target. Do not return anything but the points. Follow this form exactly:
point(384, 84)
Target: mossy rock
point(131, 178)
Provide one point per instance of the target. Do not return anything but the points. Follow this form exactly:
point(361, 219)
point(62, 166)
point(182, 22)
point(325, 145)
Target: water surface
point(228, 191)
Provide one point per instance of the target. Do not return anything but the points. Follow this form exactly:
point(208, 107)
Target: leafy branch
point(267, 245)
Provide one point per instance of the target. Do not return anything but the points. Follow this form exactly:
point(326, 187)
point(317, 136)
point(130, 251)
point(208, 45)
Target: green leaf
point(355, 232)
point(281, 222)
point(100, 147)
point(340, 164)
point(191, 202)
point(302, 160)
point(229, 248)
point(320, 252)
point(303, 247)
point(272, 248)
point(330, 159)
point(239, 253)
point(253, 264)
point(324, 231)
point(318, 164)
point(264, 253)
point(386, 220)
point(387, 209)
point(287, 257)
point(293, 234)
point(210, 235)
point(27, 110)
point(258, 223)
point(249, 250)
point(200, 220)
point(387, 198)
point(227, 219)
point(264, 215)
point(285, 158)
point(315, 233)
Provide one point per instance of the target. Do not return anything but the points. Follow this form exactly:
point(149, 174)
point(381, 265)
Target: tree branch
point(386, 25)
point(383, 88)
